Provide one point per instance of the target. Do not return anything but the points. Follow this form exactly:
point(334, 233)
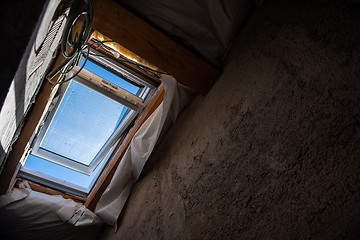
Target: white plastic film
point(114, 198)
point(27, 214)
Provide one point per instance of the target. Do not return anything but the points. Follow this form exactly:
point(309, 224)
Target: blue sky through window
point(61, 172)
point(83, 122)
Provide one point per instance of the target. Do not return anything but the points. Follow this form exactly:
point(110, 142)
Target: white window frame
point(97, 83)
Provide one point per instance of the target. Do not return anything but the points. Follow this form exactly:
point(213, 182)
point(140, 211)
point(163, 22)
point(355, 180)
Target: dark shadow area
point(2, 155)
point(18, 20)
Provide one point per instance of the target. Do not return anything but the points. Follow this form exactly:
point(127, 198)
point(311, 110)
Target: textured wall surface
point(29, 74)
point(272, 152)
point(18, 20)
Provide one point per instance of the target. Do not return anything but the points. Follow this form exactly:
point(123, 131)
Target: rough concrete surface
point(272, 152)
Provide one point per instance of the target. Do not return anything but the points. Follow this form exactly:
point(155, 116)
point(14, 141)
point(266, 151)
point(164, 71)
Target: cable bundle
point(78, 43)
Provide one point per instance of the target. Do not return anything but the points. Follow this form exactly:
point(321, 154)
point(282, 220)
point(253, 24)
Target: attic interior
point(270, 152)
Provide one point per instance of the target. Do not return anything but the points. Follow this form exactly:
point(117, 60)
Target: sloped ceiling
point(18, 23)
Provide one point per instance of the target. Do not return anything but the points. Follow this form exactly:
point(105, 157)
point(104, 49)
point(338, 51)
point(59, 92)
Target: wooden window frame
point(11, 170)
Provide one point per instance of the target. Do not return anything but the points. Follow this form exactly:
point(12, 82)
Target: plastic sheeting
point(27, 214)
point(113, 199)
point(208, 26)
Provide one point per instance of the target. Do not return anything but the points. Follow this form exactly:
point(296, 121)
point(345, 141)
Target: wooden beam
point(108, 172)
point(105, 50)
point(43, 189)
point(149, 43)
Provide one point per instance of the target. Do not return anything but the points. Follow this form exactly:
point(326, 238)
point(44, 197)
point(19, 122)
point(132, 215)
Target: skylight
point(85, 125)
point(83, 122)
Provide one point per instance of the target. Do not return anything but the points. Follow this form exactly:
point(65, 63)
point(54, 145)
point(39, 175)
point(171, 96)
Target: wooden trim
point(136, 69)
point(50, 191)
point(107, 174)
point(146, 41)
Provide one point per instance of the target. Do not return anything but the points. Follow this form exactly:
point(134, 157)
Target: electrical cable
point(81, 68)
point(125, 61)
point(77, 44)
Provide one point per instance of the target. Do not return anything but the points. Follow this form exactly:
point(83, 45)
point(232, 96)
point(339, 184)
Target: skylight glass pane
point(100, 71)
point(83, 122)
point(61, 172)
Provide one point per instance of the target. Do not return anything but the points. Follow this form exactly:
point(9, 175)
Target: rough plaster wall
point(17, 23)
point(272, 152)
point(28, 77)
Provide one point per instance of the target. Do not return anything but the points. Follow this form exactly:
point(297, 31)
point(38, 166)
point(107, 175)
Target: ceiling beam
point(133, 33)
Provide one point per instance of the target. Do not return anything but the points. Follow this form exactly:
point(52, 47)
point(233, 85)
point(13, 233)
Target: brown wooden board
point(50, 191)
point(128, 30)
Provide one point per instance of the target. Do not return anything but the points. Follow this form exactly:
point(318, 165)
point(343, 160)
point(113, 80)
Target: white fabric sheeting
point(27, 214)
point(208, 26)
point(113, 200)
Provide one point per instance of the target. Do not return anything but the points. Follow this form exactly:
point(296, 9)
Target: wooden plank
point(50, 191)
point(116, 50)
point(146, 41)
point(104, 50)
point(109, 170)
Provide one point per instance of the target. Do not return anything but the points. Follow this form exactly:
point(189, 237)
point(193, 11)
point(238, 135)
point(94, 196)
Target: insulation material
point(117, 50)
point(27, 214)
point(112, 201)
point(29, 75)
point(208, 26)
